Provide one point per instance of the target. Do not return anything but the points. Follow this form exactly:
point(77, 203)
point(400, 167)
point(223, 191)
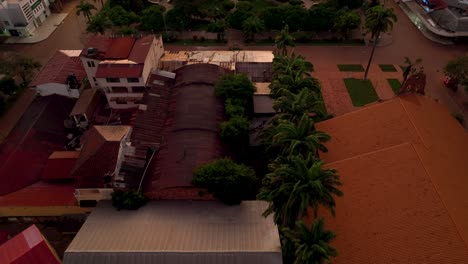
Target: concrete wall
point(90, 71)
point(153, 57)
point(57, 88)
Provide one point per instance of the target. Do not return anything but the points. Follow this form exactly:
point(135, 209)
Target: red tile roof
point(120, 48)
point(140, 49)
point(119, 70)
point(57, 69)
point(404, 173)
point(28, 247)
point(191, 135)
point(98, 156)
point(41, 194)
point(60, 164)
point(38, 133)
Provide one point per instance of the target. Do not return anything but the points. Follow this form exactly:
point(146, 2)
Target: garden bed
point(387, 68)
point(350, 67)
point(362, 92)
point(395, 84)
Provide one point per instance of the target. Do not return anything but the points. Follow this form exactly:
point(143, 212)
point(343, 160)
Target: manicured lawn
point(395, 84)
point(361, 91)
point(350, 67)
point(387, 67)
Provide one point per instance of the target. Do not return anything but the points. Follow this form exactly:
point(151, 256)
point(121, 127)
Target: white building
point(22, 17)
point(121, 66)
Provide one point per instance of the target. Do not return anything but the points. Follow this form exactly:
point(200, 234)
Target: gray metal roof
point(177, 232)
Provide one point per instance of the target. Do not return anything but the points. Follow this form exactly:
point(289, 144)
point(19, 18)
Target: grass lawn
point(191, 42)
point(351, 67)
point(387, 67)
point(395, 84)
point(361, 91)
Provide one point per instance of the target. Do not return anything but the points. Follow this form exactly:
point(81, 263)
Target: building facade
point(121, 67)
point(22, 17)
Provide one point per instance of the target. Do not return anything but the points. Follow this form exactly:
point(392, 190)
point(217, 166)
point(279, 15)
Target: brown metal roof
point(403, 165)
point(191, 133)
point(177, 232)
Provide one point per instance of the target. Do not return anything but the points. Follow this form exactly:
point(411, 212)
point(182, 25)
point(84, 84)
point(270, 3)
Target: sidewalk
point(41, 33)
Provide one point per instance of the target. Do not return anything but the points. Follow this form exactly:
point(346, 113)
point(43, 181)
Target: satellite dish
point(69, 123)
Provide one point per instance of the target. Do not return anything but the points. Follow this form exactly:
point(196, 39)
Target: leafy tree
point(345, 21)
point(85, 8)
point(228, 181)
point(294, 16)
point(218, 26)
point(273, 18)
point(297, 185)
point(235, 87)
point(16, 65)
point(321, 17)
point(129, 200)
point(296, 2)
point(177, 19)
point(234, 108)
point(120, 17)
point(8, 85)
point(98, 24)
point(283, 40)
point(252, 26)
point(127, 31)
point(152, 18)
point(242, 13)
point(289, 65)
point(299, 137)
point(292, 106)
point(457, 69)
point(310, 245)
point(351, 4)
point(235, 131)
point(378, 19)
point(130, 5)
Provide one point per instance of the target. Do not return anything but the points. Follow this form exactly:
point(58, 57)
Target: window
point(138, 89)
point(119, 89)
point(91, 64)
point(94, 79)
point(133, 80)
point(113, 80)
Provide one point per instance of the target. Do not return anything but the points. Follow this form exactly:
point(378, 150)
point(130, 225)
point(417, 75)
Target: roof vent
point(92, 51)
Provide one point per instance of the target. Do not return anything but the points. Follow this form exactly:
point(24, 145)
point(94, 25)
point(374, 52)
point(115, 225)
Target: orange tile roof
point(403, 165)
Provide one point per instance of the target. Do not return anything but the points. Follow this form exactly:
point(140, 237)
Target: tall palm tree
point(299, 137)
point(85, 8)
point(283, 40)
point(378, 19)
point(297, 185)
point(310, 245)
point(287, 65)
point(293, 82)
point(292, 106)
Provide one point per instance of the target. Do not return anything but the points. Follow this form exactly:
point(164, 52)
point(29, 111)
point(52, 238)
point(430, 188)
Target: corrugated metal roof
point(177, 232)
point(262, 88)
point(27, 247)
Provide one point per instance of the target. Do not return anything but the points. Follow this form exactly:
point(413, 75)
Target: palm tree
point(298, 138)
point(310, 245)
point(85, 8)
point(378, 19)
point(98, 24)
point(292, 106)
point(289, 65)
point(252, 26)
point(293, 82)
point(297, 185)
point(283, 40)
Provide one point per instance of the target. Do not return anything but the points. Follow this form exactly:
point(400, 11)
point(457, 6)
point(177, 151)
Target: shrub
point(228, 5)
point(236, 87)
point(8, 86)
point(233, 108)
point(129, 200)
point(235, 131)
point(226, 180)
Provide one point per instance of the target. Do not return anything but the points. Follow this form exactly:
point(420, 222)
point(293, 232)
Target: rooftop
point(403, 167)
point(59, 165)
point(177, 232)
point(57, 69)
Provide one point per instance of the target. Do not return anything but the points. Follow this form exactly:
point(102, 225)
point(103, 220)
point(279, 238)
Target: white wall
point(57, 88)
point(154, 55)
point(90, 71)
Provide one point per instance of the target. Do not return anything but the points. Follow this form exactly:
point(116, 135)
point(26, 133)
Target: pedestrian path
point(41, 33)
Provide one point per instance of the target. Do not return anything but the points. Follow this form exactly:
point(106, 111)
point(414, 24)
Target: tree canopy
point(236, 87)
point(152, 18)
point(457, 69)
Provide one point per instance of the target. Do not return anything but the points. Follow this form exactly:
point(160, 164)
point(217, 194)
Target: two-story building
point(22, 17)
point(121, 66)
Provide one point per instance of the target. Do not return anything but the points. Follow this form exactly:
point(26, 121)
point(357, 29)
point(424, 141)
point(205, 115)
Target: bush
point(235, 132)
point(228, 5)
point(295, 2)
point(226, 180)
point(8, 86)
point(129, 200)
point(233, 108)
point(236, 87)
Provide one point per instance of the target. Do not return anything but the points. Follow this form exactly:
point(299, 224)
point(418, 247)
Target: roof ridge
point(412, 122)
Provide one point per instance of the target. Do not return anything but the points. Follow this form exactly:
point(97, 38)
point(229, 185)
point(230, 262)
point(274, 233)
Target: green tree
point(457, 69)
point(345, 21)
point(236, 87)
point(252, 26)
point(8, 85)
point(235, 131)
point(291, 65)
point(85, 8)
point(243, 12)
point(129, 200)
point(321, 17)
point(298, 137)
point(127, 31)
point(292, 106)
point(283, 40)
point(233, 107)
point(294, 82)
point(310, 245)
point(120, 17)
point(226, 180)
point(378, 19)
point(16, 65)
point(98, 24)
point(152, 18)
point(178, 19)
point(218, 26)
point(297, 185)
